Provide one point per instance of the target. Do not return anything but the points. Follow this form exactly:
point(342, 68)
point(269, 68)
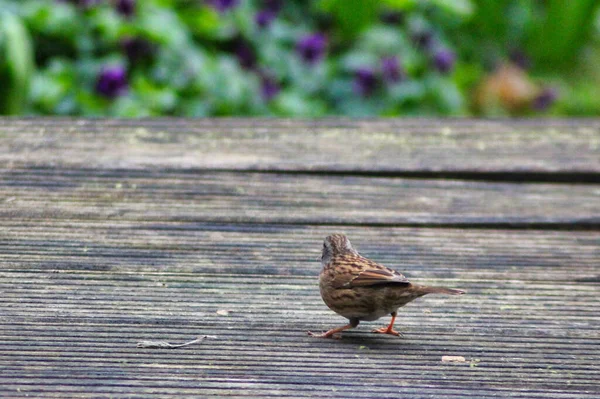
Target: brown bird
point(360, 289)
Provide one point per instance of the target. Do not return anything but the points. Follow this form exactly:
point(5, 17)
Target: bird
point(362, 290)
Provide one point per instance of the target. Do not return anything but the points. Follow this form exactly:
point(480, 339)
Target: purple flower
point(273, 5)
point(545, 99)
point(245, 54)
point(365, 81)
point(269, 87)
point(312, 48)
point(125, 7)
point(391, 69)
point(443, 60)
point(264, 18)
point(136, 49)
point(112, 82)
point(223, 5)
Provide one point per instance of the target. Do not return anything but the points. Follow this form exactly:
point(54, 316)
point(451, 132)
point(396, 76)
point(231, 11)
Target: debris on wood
point(167, 345)
point(453, 359)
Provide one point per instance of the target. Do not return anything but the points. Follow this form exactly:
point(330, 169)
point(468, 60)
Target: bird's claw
point(386, 330)
point(324, 335)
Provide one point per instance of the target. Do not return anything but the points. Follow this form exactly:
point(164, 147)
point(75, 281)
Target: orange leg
point(334, 332)
point(389, 329)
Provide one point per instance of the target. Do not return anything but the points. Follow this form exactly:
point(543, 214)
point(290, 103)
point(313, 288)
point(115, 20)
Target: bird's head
point(336, 244)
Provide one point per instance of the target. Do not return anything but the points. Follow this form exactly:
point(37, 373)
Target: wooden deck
point(114, 232)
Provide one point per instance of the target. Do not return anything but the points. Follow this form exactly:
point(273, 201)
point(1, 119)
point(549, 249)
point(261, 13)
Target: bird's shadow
point(370, 340)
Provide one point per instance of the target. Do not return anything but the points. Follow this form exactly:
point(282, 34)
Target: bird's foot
point(328, 334)
point(387, 330)
point(334, 332)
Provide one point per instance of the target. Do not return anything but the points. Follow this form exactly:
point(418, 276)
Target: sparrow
point(362, 290)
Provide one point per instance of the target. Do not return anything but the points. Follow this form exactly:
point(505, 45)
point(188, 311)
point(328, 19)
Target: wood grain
point(228, 197)
point(205, 248)
point(80, 330)
point(378, 145)
point(118, 231)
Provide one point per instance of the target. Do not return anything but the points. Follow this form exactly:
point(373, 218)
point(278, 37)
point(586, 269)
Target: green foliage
point(191, 58)
point(558, 35)
point(351, 17)
point(552, 33)
point(16, 63)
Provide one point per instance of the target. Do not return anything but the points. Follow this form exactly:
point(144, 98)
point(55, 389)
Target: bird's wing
point(357, 271)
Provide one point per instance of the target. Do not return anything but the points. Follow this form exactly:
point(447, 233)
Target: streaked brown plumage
point(360, 289)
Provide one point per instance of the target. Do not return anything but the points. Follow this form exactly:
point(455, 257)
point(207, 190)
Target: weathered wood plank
point(392, 145)
point(66, 333)
point(148, 247)
point(113, 232)
point(227, 197)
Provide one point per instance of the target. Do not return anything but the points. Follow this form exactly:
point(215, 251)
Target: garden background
point(198, 58)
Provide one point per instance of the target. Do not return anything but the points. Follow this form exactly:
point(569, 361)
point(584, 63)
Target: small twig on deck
point(166, 345)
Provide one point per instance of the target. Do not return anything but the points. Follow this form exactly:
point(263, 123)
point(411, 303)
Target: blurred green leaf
point(561, 31)
point(408, 91)
point(228, 88)
point(16, 63)
point(52, 85)
point(105, 24)
point(400, 5)
point(51, 18)
point(293, 103)
point(351, 16)
point(131, 107)
point(383, 40)
point(162, 100)
point(161, 25)
point(203, 21)
point(462, 8)
point(194, 108)
point(446, 96)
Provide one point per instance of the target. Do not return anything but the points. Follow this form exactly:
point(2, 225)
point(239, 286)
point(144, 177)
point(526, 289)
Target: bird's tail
point(440, 290)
